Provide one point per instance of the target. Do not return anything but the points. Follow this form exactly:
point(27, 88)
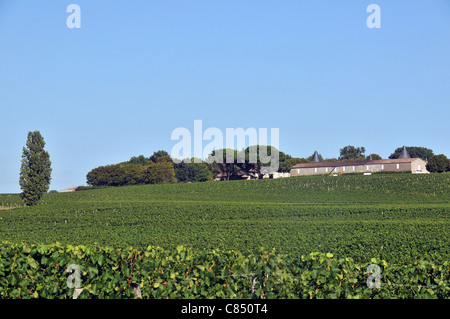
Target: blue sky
point(136, 70)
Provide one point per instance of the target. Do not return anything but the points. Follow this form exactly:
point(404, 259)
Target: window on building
point(398, 166)
point(382, 166)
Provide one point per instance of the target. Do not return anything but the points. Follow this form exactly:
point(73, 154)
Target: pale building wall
point(417, 166)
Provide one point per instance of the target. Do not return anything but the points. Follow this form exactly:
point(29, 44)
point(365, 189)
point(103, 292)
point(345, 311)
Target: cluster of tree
point(255, 160)
point(351, 153)
point(415, 152)
point(347, 153)
point(193, 170)
point(438, 164)
point(35, 171)
point(158, 170)
point(161, 168)
point(230, 164)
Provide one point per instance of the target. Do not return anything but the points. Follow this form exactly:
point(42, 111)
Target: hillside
point(396, 217)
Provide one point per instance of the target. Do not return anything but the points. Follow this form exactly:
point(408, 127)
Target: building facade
point(249, 176)
point(413, 165)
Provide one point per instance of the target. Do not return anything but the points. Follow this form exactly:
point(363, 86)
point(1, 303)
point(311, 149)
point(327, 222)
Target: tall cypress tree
point(35, 171)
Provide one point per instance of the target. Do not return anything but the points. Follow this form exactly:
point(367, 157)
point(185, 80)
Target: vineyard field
point(395, 217)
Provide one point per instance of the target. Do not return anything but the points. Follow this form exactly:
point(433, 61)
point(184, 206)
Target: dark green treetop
point(35, 171)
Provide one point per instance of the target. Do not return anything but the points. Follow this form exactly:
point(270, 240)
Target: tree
point(133, 174)
point(438, 164)
point(161, 172)
point(164, 159)
point(374, 157)
point(224, 161)
point(101, 176)
point(262, 159)
point(350, 152)
point(156, 155)
point(298, 160)
point(189, 170)
point(141, 159)
point(35, 171)
point(284, 162)
point(414, 151)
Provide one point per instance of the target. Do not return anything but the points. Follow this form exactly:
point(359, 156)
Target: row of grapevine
point(410, 188)
point(395, 233)
point(57, 271)
point(10, 201)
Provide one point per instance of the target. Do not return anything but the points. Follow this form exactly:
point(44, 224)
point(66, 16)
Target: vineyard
point(62, 271)
point(401, 221)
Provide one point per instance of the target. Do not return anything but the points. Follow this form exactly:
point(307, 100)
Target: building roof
point(355, 163)
point(71, 189)
point(316, 158)
point(404, 153)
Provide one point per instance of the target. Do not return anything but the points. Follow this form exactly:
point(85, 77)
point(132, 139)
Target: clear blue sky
point(136, 70)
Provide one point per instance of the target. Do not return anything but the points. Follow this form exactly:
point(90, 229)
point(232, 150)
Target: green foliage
point(190, 171)
point(117, 175)
point(399, 222)
point(160, 172)
point(414, 151)
point(396, 217)
point(284, 163)
point(8, 201)
point(254, 160)
point(438, 164)
point(35, 170)
point(158, 155)
point(132, 174)
point(86, 188)
point(258, 157)
point(351, 153)
point(141, 160)
point(225, 162)
point(40, 271)
point(374, 157)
